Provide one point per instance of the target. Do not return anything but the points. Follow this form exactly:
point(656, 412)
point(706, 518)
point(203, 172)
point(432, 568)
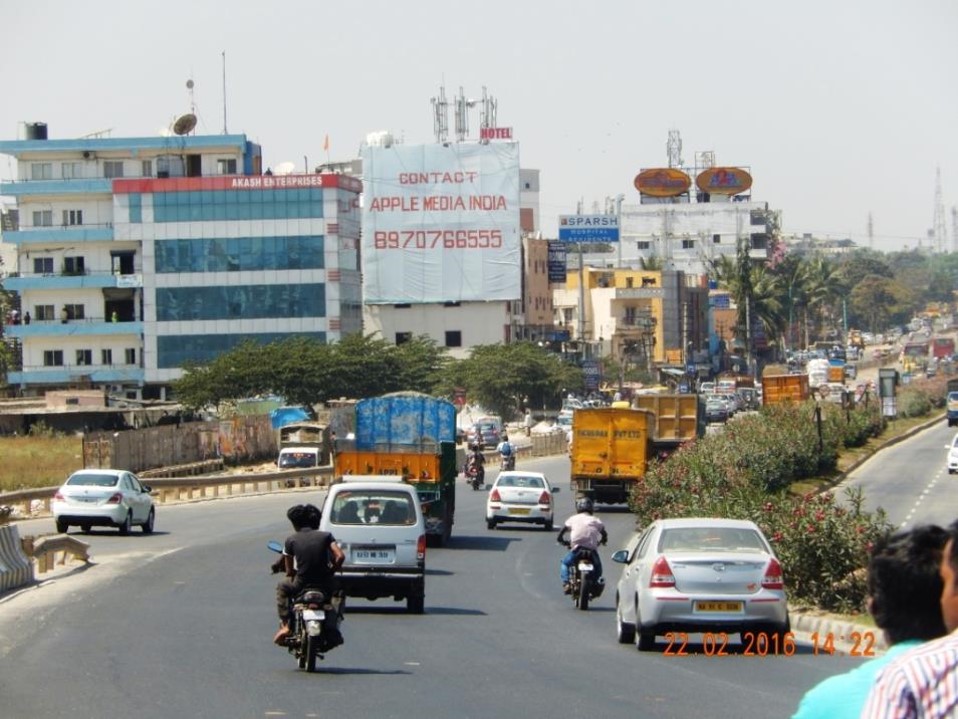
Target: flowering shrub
point(744, 473)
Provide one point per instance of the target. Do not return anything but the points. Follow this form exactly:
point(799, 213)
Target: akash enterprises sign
point(441, 223)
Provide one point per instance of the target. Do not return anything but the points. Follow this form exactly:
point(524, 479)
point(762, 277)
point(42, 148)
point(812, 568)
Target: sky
point(841, 109)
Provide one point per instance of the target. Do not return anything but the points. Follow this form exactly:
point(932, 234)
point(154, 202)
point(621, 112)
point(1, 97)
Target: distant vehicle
point(716, 409)
point(953, 456)
point(103, 498)
point(519, 496)
point(298, 457)
point(943, 347)
point(487, 431)
point(700, 574)
point(951, 405)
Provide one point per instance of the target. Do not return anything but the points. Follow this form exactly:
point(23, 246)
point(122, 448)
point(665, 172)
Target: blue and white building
point(136, 255)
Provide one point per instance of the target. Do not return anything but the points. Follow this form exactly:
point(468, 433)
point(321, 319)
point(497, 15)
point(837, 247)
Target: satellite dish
point(189, 84)
point(284, 168)
point(184, 124)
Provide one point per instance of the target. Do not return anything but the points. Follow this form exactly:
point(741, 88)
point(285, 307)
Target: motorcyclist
point(310, 559)
point(476, 460)
point(505, 450)
point(585, 532)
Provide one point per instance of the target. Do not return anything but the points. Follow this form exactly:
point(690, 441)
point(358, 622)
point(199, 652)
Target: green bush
point(744, 473)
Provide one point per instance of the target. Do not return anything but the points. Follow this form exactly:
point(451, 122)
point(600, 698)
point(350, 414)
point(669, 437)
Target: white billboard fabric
point(441, 223)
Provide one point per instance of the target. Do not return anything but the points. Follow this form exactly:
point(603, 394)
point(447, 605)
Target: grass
point(33, 462)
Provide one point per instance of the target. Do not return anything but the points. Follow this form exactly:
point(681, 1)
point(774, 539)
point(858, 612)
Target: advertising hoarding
point(589, 228)
point(557, 261)
point(441, 223)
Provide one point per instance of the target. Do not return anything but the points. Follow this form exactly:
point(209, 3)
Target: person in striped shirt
point(923, 683)
point(903, 591)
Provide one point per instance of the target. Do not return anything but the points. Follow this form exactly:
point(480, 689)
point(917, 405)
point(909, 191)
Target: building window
point(41, 171)
point(43, 312)
point(146, 169)
point(106, 356)
point(72, 217)
point(71, 170)
point(688, 244)
point(113, 168)
point(53, 358)
point(759, 241)
point(129, 355)
point(716, 239)
point(74, 312)
point(757, 217)
point(629, 282)
point(648, 282)
point(43, 265)
point(43, 218)
point(403, 337)
point(73, 266)
point(84, 357)
point(226, 167)
point(643, 245)
point(453, 338)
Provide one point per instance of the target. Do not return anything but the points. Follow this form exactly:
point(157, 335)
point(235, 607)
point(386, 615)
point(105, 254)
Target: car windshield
point(93, 480)
point(697, 539)
point(373, 507)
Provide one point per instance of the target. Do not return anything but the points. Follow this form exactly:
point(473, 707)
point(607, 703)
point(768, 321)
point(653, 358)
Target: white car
point(700, 575)
point(378, 523)
point(953, 455)
point(103, 497)
point(518, 496)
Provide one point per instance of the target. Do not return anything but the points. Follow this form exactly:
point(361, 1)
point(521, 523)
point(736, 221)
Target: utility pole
point(939, 229)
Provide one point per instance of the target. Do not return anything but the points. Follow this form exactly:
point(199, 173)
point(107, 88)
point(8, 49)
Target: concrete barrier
point(50, 550)
point(16, 570)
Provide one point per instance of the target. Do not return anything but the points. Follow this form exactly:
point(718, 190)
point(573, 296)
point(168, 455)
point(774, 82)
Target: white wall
point(480, 323)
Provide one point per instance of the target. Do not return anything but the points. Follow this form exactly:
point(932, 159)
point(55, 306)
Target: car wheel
point(415, 604)
point(491, 523)
point(62, 526)
point(127, 524)
point(548, 525)
point(644, 640)
point(148, 524)
point(624, 631)
point(85, 528)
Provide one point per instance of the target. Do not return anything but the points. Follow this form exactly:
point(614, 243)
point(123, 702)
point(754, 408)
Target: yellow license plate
point(518, 510)
point(718, 606)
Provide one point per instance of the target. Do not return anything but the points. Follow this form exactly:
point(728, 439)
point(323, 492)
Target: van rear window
point(373, 507)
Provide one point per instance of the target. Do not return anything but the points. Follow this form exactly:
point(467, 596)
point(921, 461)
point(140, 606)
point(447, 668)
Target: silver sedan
point(700, 575)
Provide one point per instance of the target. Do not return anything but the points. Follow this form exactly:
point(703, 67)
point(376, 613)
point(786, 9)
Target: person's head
point(904, 585)
point(505, 437)
point(949, 578)
point(584, 505)
point(304, 516)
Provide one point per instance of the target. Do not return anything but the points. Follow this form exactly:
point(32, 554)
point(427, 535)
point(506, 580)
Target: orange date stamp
point(770, 644)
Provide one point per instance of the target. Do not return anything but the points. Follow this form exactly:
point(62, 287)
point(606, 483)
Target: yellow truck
point(677, 417)
point(610, 451)
point(784, 388)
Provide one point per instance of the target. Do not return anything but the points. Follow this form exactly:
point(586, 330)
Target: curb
point(848, 638)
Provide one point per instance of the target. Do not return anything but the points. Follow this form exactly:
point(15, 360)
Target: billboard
point(662, 182)
point(441, 223)
point(589, 228)
point(723, 180)
point(557, 261)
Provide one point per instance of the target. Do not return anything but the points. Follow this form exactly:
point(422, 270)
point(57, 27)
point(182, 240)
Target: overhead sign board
point(557, 262)
point(495, 133)
point(723, 180)
point(589, 228)
point(662, 182)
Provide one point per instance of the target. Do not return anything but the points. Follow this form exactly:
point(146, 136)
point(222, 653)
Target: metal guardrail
point(53, 549)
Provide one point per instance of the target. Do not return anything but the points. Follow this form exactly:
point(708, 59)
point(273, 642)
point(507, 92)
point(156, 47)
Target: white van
point(378, 522)
point(298, 457)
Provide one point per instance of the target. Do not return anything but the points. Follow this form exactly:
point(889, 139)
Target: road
point(179, 624)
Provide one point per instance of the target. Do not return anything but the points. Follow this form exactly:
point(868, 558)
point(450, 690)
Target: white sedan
point(518, 496)
point(953, 453)
point(103, 497)
point(717, 576)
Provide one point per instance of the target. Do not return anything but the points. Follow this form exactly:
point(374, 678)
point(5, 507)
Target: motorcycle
point(313, 623)
point(584, 587)
point(508, 462)
point(475, 474)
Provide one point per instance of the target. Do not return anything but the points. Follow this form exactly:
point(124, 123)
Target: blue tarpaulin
point(284, 415)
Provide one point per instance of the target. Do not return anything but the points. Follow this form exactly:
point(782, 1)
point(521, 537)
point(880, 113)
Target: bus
point(943, 347)
point(914, 355)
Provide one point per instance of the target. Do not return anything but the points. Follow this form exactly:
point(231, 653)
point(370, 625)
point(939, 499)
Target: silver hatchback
point(700, 575)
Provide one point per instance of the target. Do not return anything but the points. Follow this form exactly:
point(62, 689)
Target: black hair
point(905, 585)
point(304, 516)
point(953, 554)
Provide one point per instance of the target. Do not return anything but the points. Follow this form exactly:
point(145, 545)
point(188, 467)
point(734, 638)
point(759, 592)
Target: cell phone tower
point(941, 234)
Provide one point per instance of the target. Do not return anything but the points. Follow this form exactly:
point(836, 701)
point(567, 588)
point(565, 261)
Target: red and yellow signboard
point(723, 180)
point(662, 182)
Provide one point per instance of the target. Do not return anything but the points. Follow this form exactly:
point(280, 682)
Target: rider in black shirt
point(310, 559)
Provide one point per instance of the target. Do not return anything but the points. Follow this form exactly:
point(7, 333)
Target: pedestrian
point(904, 588)
point(527, 422)
point(114, 317)
point(64, 315)
point(15, 316)
point(26, 317)
point(924, 681)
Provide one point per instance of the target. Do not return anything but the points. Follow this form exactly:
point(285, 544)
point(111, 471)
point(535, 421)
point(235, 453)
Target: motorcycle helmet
point(584, 505)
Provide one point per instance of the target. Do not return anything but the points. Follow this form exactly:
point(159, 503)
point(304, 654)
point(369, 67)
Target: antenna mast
point(224, 93)
point(674, 149)
point(440, 116)
point(940, 233)
point(871, 232)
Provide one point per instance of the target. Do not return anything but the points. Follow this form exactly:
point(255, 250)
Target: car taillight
point(494, 497)
point(662, 574)
point(774, 578)
point(115, 498)
point(545, 498)
point(59, 497)
point(421, 548)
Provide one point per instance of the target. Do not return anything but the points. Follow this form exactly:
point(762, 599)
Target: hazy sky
point(840, 108)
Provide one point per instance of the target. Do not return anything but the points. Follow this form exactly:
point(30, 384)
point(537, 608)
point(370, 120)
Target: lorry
point(678, 418)
point(951, 405)
point(611, 447)
point(817, 371)
point(778, 388)
point(413, 436)
point(943, 348)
